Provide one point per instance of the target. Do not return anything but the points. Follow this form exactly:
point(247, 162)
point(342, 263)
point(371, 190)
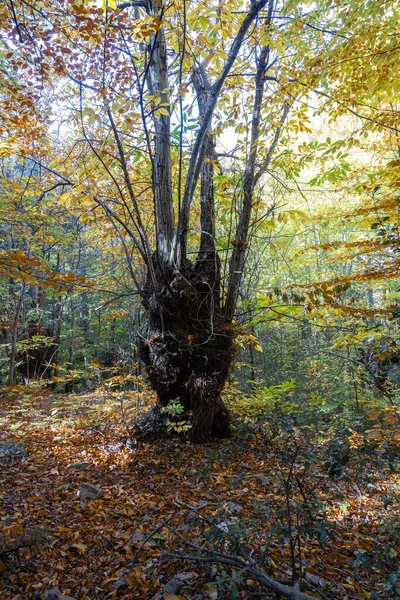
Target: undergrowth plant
point(174, 410)
point(268, 409)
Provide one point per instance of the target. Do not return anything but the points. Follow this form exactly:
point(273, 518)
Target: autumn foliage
point(199, 299)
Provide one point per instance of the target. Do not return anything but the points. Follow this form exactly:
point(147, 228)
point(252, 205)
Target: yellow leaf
point(65, 199)
point(80, 547)
point(212, 591)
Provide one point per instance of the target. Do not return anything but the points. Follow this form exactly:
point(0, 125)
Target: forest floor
point(273, 497)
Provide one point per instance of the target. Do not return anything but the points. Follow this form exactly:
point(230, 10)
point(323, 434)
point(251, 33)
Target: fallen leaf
point(80, 547)
point(3, 566)
point(212, 591)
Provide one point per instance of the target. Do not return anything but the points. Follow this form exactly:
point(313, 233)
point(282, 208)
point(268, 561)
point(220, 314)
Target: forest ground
point(256, 490)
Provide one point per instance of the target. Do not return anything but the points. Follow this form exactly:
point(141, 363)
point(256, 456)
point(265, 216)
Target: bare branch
point(141, 230)
point(274, 144)
point(127, 255)
point(196, 159)
point(252, 571)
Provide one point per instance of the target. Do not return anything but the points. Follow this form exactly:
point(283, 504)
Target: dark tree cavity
point(34, 361)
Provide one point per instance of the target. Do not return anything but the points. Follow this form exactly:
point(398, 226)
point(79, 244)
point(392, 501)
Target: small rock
point(55, 594)
point(223, 526)
point(87, 491)
point(88, 385)
point(234, 508)
point(263, 479)
point(121, 584)
point(130, 444)
point(315, 579)
point(10, 450)
point(172, 587)
point(186, 576)
point(137, 536)
point(80, 466)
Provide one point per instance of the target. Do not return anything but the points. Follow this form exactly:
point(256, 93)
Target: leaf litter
point(83, 514)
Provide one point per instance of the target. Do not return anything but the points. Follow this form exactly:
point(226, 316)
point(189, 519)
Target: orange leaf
point(3, 566)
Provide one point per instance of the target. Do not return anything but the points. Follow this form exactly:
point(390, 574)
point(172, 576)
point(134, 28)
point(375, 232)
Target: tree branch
point(253, 572)
point(273, 146)
point(196, 159)
point(134, 3)
point(238, 257)
point(141, 230)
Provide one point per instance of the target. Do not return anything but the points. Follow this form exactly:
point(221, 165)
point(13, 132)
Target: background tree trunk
point(14, 339)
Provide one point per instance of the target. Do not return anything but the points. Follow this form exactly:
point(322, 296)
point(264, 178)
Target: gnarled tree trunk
point(189, 349)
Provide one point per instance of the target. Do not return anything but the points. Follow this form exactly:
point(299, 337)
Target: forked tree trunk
point(190, 344)
point(190, 359)
point(189, 347)
point(190, 340)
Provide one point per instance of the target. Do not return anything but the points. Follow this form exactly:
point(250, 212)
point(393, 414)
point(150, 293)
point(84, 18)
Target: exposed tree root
point(252, 571)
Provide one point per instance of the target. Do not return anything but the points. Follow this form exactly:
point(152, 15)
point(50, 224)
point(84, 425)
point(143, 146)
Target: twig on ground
point(252, 572)
point(146, 539)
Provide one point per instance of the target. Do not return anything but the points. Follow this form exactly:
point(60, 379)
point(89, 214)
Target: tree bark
point(158, 78)
point(14, 339)
point(190, 359)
